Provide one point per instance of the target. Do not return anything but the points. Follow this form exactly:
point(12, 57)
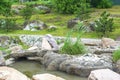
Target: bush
point(5, 7)
point(73, 48)
point(27, 12)
point(104, 25)
point(8, 24)
point(83, 10)
point(105, 4)
point(116, 55)
point(66, 6)
point(101, 3)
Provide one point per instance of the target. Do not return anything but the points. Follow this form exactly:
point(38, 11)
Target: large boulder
point(49, 57)
point(35, 25)
point(103, 74)
point(83, 65)
point(27, 53)
point(7, 73)
point(55, 64)
point(46, 76)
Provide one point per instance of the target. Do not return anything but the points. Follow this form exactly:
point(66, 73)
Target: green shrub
point(8, 24)
point(101, 3)
point(116, 55)
point(27, 12)
point(105, 4)
point(66, 6)
point(73, 48)
point(83, 10)
point(5, 7)
point(104, 25)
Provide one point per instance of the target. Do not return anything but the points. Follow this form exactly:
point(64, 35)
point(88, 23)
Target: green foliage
point(73, 48)
point(101, 3)
point(66, 6)
point(80, 27)
point(104, 25)
point(83, 10)
point(27, 12)
point(8, 24)
point(105, 4)
point(5, 7)
point(116, 55)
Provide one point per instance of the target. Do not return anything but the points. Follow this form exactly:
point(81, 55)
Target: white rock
point(103, 74)
point(46, 76)
point(45, 45)
point(33, 48)
point(7, 73)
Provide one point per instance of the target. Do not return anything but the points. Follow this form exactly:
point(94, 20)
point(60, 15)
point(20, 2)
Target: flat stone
point(46, 76)
point(103, 74)
point(7, 73)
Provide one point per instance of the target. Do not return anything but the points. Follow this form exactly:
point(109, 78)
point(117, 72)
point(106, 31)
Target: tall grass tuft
point(73, 48)
point(116, 55)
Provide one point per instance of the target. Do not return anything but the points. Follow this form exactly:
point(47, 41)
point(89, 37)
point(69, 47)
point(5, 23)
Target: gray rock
point(27, 53)
point(72, 23)
point(43, 9)
point(4, 41)
point(49, 57)
point(117, 66)
point(31, 40)
point(83, 65)
point(2, 60)
point(52, 42)
point(35, 25)
point(54, 65)
point(16, 49)
point(92, 26)
point(52, 28)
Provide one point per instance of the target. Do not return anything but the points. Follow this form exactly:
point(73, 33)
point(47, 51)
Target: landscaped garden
point(78, 37)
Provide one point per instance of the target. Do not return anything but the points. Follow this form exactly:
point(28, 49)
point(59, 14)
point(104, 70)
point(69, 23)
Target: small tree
point(27, 13)
point(104, 25)
point(8, 22)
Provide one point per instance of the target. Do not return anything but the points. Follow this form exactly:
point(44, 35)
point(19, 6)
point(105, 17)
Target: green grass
point(116, 55)
point(60, 20)
point(73, 48)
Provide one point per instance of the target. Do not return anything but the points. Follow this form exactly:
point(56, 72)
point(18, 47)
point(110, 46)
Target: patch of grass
point(116, 55)
point(73, 48)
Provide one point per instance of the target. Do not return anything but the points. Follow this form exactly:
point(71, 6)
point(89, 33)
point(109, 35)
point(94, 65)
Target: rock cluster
point(81, 65)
